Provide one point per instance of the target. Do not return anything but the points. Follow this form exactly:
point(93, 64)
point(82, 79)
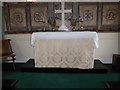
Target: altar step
point(99, 67)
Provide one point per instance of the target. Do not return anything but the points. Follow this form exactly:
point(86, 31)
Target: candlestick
point(81, 20)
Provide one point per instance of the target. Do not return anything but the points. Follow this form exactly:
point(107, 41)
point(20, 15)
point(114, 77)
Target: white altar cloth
point(64, 35)
point(64, 49)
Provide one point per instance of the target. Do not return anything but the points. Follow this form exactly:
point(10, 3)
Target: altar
point(64, 49)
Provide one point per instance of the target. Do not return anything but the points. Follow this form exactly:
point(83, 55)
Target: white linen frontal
point(65, 49)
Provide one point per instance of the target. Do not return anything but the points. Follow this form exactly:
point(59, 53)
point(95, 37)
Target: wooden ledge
point(29, 32)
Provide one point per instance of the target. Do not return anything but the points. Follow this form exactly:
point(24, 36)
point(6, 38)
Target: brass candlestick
point(53, 25)
point(81, 24)
point(53, 29)
point(73, 29)
point(73, 23)
point(81, 20)
point(44, 22)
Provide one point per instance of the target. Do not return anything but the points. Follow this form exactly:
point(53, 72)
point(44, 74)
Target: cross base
point(63, 27)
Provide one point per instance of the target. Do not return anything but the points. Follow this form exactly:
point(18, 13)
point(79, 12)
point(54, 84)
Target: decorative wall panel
point(110, 16)
point(88, 13)
point(39, 16)
point(30, 17)
point(17, 17)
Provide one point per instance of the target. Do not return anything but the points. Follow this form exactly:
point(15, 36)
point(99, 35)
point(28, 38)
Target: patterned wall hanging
point(17, 17)
point(110, 16)
point(39, 16)
point(88, 16)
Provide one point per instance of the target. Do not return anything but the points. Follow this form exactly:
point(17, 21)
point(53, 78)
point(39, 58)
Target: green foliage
point(74, 22)
point(54, 24)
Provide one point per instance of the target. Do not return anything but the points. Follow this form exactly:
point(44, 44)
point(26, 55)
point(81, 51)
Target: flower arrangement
point(74, 23)
point(52, 22)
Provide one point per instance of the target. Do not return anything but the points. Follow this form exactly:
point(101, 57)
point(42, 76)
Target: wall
point(0, 43)
point(21, 46)
point(93, 15)
point(108, 41)
point(24, 51)
point(108, 45)
point(0, 20)
point(119, 43)
point(62, 0)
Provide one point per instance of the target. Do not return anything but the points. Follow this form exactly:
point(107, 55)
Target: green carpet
point(61, 80)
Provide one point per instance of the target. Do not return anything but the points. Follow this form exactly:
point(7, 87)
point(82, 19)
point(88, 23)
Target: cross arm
point(58, 11)
point(68, 11)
